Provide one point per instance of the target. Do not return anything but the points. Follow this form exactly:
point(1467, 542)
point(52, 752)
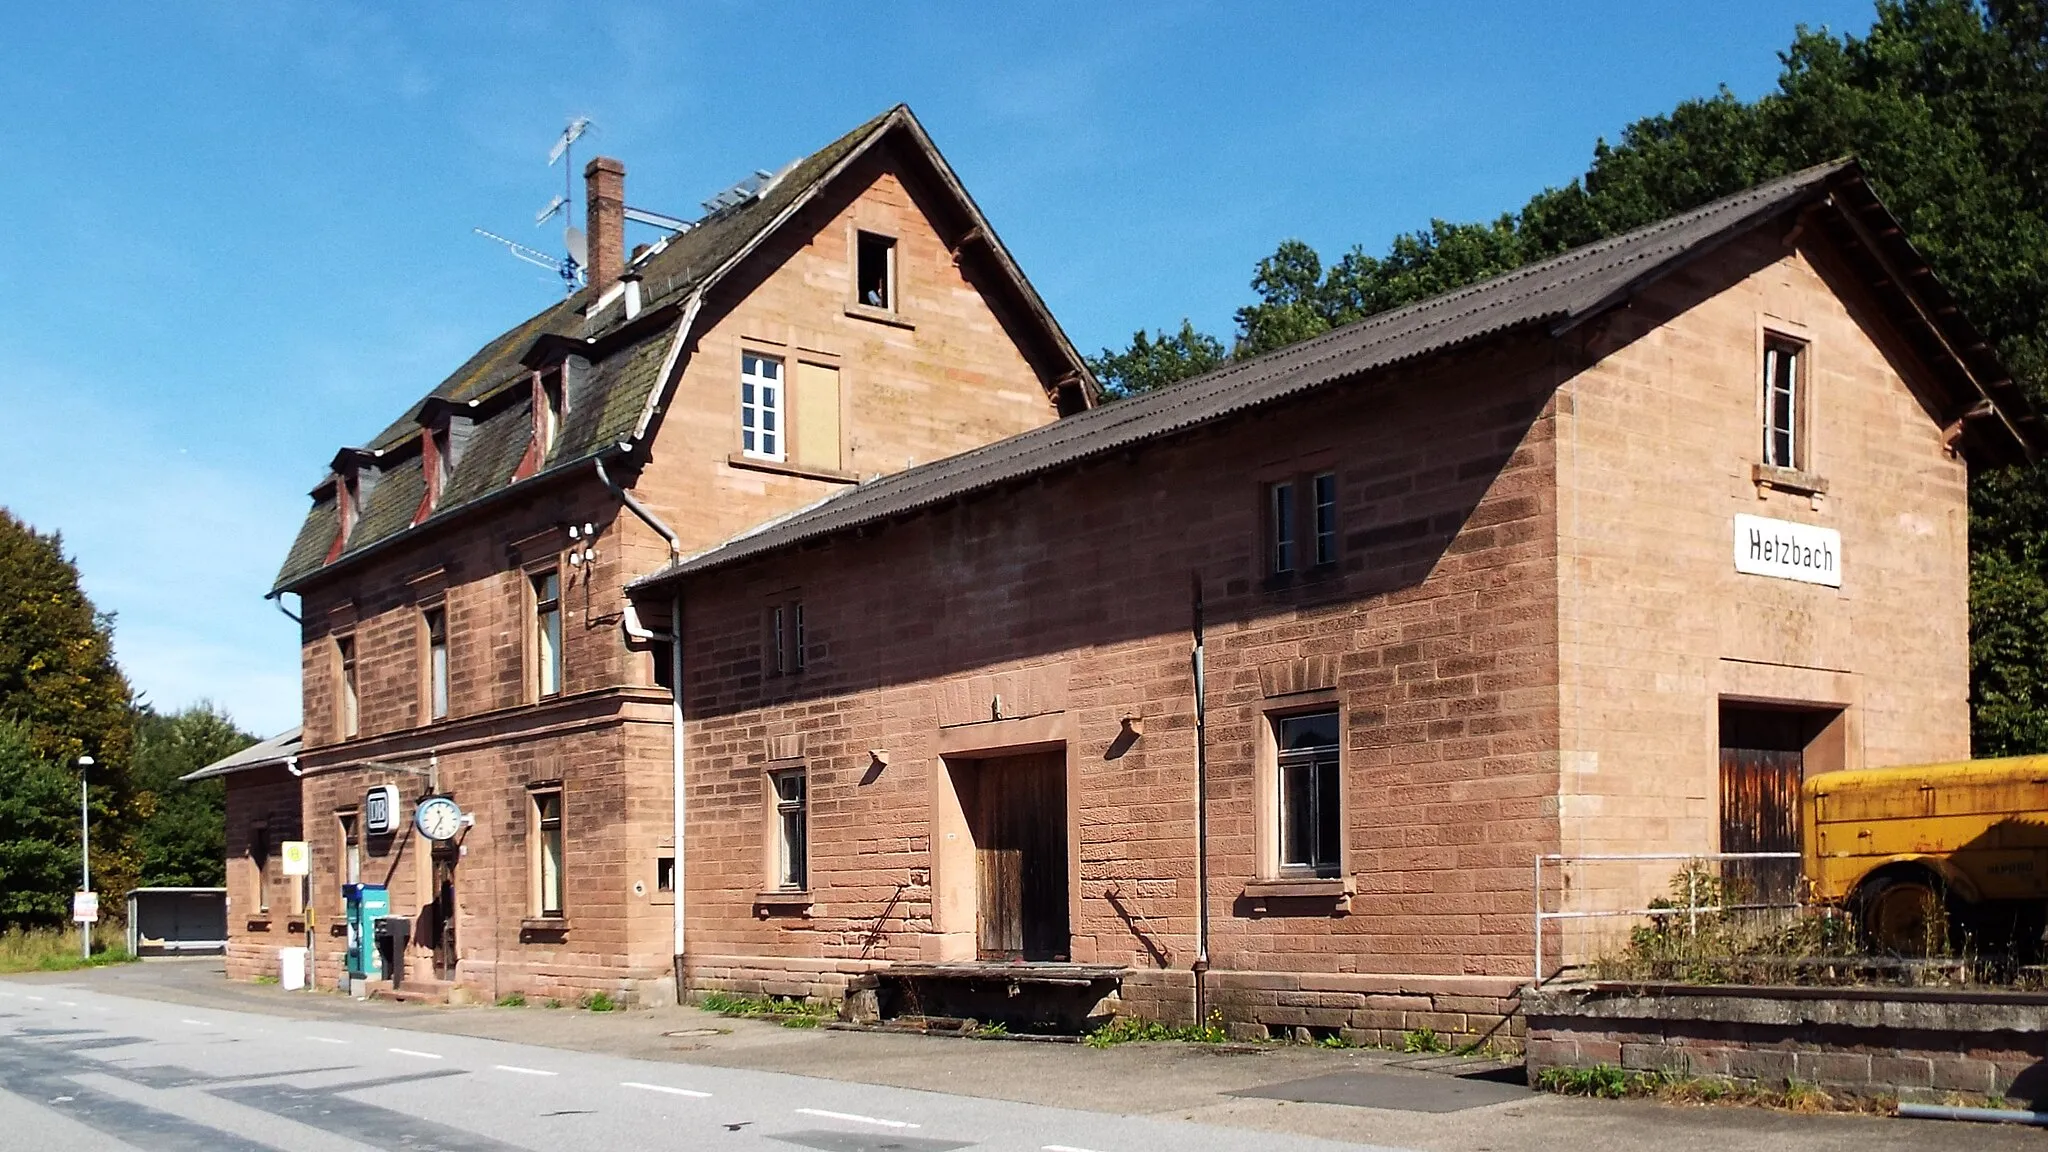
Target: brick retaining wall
point(1854, 1041)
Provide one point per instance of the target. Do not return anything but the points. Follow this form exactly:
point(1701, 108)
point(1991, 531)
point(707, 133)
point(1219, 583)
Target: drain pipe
point(277, 598)
point(1989, 1115)
point(1201, 965)
point(674, 638)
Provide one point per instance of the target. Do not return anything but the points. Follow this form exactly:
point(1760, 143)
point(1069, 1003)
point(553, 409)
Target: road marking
point(525, 1071)
point(31, 997)
point(324, 1039)
point(68, 1003)
point(196, 1023)
point(856, 1119)
point(1062, 1148)
point(664, 1088)
point(421, 1055)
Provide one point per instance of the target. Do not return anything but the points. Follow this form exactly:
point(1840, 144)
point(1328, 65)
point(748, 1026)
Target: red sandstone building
point(1258, 694)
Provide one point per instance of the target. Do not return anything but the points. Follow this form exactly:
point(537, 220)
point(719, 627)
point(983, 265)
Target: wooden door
point(1019, 821)
point(1760, 813)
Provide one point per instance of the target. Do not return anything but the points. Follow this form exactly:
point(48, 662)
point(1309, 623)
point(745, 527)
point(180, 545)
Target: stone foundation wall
point(1365, 1010)
point(1850, 1041)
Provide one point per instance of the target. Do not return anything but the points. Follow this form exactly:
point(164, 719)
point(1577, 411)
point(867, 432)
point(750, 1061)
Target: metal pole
point(1537, 982)
point(84, 859)
point(1198, 663)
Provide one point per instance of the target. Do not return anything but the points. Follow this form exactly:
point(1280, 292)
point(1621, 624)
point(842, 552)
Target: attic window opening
point(875, 270)
point(548, 409)
point(439, 477)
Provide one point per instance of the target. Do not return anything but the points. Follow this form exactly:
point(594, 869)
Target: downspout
point(675, 657)
point(1201, 965)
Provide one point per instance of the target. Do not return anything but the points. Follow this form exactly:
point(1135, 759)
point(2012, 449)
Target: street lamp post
point(85, 764)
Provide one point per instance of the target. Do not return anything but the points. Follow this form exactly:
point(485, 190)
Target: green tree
point(1945, 102)
point(1155, 361)
point(180, 839)
point(38, 833)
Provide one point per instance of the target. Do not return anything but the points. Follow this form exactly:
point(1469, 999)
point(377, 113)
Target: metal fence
point(1629, 894)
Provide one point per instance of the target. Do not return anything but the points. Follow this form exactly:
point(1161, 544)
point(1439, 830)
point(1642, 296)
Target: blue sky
point(237, 237)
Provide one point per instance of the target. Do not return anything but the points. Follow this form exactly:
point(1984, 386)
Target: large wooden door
point(1019, 821)
point(1763, 762)
point(443, 926)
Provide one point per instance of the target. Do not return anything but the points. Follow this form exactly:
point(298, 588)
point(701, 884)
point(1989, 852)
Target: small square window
point(665, 874)
point(875, 271)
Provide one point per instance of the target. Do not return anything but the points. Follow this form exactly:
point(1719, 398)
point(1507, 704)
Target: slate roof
point(269, 753)
point(609, 403)
point(1553, 293)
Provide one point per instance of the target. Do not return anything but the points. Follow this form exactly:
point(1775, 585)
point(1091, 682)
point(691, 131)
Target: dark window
point(1280, 516)
point(1784, 394)
point(875, 275)
point(665, 874)
point(796, 627)
point(547, 863)
point(549, 413)
point(1311, 794)
point(547, 622)
point(437, 662)
point(784, 640)
point(350, 703)
point(792, 850)
point(1326, 518)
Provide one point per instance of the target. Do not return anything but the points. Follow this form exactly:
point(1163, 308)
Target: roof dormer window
point(356, 472)
point(548, 410)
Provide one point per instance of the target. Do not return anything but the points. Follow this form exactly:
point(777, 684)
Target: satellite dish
point(579, 249)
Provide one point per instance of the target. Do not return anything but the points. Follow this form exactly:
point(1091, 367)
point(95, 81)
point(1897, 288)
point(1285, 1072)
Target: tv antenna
point(575, 246)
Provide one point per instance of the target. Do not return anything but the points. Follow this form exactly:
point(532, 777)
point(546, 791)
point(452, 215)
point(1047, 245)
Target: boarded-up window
point(816, 425)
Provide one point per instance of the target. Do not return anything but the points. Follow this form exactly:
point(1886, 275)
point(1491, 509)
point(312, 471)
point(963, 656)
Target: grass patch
point(790, 1012)
point(553, 1003)
point(512, 1000)
point(599, 1002)
point(993, 1030)
point(264, 978)
point(56, 949)
point(1607, 1082)
point(1133, 1029)
point(1423, 1040)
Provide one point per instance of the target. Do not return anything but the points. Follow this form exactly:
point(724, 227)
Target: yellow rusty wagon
point(1922, 851)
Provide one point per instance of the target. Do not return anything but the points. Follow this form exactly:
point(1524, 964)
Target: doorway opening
point(441, 929)
point(1766, 753)
point(1016, 813)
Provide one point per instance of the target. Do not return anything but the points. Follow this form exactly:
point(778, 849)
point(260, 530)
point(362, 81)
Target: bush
point(599, 1002)
point(1127, 1029)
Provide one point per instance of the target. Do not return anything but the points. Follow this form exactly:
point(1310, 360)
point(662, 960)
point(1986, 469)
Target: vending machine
point(366, 904)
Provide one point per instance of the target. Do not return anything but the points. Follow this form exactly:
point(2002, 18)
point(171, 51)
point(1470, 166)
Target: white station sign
point(1788, 550)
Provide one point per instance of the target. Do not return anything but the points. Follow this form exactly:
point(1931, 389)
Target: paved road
point(89, 1071)
point(173, 1056)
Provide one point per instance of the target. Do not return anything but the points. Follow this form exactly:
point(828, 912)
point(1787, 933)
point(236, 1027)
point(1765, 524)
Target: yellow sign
point(298, 859)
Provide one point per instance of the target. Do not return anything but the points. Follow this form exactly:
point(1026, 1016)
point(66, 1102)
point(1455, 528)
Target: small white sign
point(298, 859)
point(1788, 550)
point(380, 810)
point(85, 907)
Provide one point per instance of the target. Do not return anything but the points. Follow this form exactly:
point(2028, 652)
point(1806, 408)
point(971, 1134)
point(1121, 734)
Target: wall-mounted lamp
point(878, 757)
point(1134, 726)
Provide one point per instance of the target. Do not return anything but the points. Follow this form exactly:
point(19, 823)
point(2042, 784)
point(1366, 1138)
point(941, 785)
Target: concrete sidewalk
point(1385, 1099)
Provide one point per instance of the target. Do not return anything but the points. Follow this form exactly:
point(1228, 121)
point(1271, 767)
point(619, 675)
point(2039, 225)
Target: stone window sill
point(785, 468)
point(1788, 480)
point(551, 927)
point(879, 316)
point(1299, 886)
point(783, 898)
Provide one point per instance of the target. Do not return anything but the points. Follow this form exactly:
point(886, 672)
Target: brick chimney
point(604, 202)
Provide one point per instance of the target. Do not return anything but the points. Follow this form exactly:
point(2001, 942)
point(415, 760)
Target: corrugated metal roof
point(1566, 287)
point(269, 753)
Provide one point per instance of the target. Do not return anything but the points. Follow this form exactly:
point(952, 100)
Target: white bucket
point(291, 964)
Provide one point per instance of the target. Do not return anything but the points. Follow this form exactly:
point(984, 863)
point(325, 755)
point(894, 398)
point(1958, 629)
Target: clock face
point(437, 818)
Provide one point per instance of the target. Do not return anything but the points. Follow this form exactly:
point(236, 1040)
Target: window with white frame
point(1280, 528)
point(435, 621)
point(792, 847)
point(1325, 489)
point(345, 653)
point(1311, 785)
point(1784, 397)
point(761, 406)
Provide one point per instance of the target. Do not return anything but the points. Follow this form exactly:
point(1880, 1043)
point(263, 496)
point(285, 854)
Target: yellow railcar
point(1920, 850)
